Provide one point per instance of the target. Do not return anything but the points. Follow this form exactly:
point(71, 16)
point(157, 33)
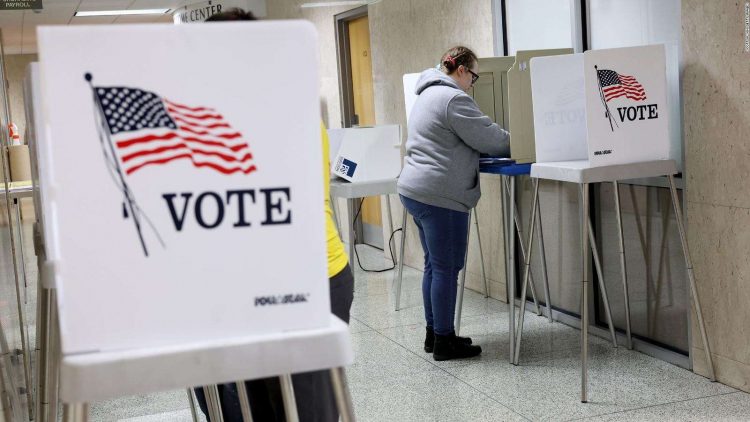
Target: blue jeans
point(442, 232)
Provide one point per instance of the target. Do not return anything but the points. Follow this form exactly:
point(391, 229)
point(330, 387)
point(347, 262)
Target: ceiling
point(19, 27)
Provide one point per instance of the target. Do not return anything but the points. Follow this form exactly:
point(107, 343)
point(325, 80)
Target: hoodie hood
point(433, 77)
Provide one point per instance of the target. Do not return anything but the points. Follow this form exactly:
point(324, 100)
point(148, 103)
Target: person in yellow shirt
point(339, 273)
point(313, 391)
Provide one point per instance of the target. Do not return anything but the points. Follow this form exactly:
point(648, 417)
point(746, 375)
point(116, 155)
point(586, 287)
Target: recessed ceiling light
point(122, 12)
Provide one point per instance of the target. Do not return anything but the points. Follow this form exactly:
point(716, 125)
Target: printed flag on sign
point(615, 85)
point(149, 130)
point(138, 128)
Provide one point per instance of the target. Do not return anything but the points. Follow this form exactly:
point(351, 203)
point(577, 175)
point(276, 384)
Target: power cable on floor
point(390, 244)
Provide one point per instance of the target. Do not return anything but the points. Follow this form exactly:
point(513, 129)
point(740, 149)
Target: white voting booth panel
point(605, 106)
point(367, 153)
point(174, 205)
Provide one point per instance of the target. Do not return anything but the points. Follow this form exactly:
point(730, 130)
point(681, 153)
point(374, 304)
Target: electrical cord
point(390, 245)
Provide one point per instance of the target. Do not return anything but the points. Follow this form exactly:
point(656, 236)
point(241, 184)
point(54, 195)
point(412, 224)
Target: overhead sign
point(200, 11)
point(175, 213)
point(20, 5)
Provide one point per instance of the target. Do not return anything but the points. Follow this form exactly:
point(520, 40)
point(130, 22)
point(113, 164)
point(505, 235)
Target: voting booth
point(602, 117)
point(503, 93)
point(365, 154)
point(604, 106)
point(172, 210)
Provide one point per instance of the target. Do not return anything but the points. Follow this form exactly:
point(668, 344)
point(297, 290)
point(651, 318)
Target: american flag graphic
point(615, 85)
point(147, 130)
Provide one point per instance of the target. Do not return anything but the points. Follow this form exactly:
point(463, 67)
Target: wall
point(716, 101)
point(433, 26)
point(323, 20)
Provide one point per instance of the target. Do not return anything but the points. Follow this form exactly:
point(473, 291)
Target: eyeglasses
point(474, 76)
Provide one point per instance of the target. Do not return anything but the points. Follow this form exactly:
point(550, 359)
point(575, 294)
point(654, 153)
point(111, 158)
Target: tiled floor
point(394, 380)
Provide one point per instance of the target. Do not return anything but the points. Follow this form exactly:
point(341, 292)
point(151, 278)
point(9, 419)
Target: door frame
point(343, 53)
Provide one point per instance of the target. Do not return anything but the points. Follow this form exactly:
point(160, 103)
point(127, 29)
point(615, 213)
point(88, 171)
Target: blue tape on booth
point(516, 170)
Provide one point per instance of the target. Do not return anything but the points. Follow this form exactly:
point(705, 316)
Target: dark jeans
point(442, 232)
point(313, 391)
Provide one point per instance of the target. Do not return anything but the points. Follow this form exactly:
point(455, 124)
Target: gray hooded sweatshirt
point(447, 131)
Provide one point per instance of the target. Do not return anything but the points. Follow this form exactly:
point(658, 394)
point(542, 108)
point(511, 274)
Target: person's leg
point(342, 293)
point(200, 396)
point(445, 234)
point(418, 210)
point(313, 391)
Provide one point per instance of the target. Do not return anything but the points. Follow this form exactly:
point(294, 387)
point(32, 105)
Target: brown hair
point(233, 14)
point(455, 57)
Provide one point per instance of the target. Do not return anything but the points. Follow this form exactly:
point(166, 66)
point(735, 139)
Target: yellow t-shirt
point(337, 258)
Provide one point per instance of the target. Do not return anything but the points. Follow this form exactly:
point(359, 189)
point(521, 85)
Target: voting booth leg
point(691, 279)
point(42, 357)
point(481, 254)
point(526, 271)
point(462, 281)
point(400, 276)
point(623, 267)
point(75, 412)
point(341, 392)
point(350, 216)
point(213, 403)
point(191, 402)
point(602, 285)
point(335, 211)
point(48, 370)
point(390, 225)
point(21, 298)
point(543, 256)
point(523, 255)
point(287, 394)
point(509, 265)
point(247, 414)
point(584, 296)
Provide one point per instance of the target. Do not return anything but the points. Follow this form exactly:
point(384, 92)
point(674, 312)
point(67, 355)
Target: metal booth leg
point(213, 403)
point(510, 246)
point(335, 211)
point(543, 256)
point(191, 402)
point(481, 254)
point(343, 397)
point(527, 271)
point(523, 257)
point(350, 216)
point(691, 279)
point(462, 281)
point(400, 277)
point(75, 412)
point(390, 224)
point(584, 296)
point(623, 268)
point(247, 414)
point(602, 285)
point(287, 394)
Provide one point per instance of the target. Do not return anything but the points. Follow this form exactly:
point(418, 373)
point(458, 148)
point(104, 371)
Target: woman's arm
point(475, 128)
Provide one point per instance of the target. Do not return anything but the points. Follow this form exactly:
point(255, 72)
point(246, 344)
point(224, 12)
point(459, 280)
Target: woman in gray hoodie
point(439, 184)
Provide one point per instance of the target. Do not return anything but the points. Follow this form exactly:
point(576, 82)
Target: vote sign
point(185, 207)
point(626, 105)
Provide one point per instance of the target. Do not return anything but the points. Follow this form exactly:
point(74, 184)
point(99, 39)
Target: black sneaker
point(429, 340)
point(450, 347)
